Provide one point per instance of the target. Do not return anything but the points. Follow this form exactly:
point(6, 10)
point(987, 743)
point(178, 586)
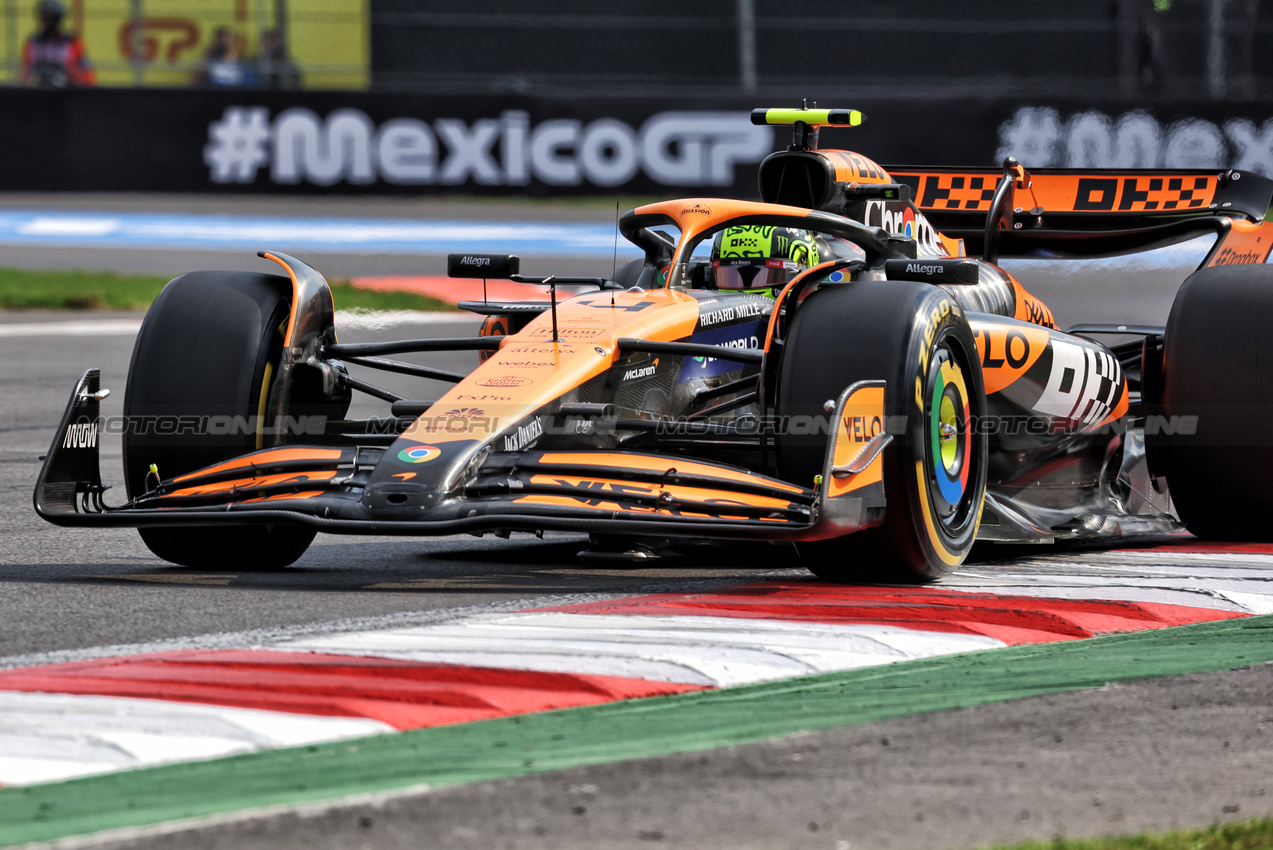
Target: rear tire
point(1215, 367)
point(915, 337)
point(207, 347)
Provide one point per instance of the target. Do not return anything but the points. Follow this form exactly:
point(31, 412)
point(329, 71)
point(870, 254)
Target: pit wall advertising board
point(361, 143)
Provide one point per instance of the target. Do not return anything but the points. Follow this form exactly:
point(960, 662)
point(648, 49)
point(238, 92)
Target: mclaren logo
point(641, 371)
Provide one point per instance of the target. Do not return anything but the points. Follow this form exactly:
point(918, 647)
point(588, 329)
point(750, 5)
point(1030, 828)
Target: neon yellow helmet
point(760, 258)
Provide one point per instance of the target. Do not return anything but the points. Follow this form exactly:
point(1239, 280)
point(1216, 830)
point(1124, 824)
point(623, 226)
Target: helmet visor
point(753, 272)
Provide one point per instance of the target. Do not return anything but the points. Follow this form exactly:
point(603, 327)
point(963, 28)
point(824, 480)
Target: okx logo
point(346, 146)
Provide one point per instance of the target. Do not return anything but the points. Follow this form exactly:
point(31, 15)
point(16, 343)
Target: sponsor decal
point(862, 428)
point(696, 209)
point(943, 309)
point(745, 335)
point(641, 371)
point(923, 268)
point(298, 145)
point(899, 217)
point(467, 397)
point(526, 364)
point(1230, 257)
point(503, 381)
point(1016, 350)
point(82, 435)
point(1083, 386)
point(733, 313)
point(462, 413)
point(478, 262)
point(555, 348)
point(1007, 351)
point(1038, 313)
point(419, 454)
point(569, 333)
point(524, 436)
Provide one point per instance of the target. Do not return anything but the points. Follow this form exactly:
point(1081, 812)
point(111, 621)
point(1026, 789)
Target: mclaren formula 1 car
point(842, 367)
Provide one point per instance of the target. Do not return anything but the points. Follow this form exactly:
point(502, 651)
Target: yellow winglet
point(812, 117)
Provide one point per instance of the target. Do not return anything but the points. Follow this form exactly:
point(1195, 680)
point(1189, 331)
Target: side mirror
point(500, 266)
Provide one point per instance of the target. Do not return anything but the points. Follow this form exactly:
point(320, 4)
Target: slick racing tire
point(1216, 368)
point(207, 347)
point(915, 337)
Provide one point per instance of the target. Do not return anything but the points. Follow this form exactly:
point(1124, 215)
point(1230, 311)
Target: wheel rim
point(949, 456)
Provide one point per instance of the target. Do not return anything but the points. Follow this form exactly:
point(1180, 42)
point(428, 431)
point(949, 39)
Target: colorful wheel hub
point(949, 430)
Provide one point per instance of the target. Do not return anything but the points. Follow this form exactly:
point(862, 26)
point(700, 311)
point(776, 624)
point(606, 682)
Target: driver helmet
point(760, 258)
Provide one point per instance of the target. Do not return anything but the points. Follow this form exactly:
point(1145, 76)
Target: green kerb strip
point(498, 749)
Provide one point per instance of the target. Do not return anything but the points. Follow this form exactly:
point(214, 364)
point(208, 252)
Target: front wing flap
point(595, 491)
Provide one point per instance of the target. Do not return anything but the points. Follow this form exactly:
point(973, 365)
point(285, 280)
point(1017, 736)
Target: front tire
point(207, 347)
point(916, 338)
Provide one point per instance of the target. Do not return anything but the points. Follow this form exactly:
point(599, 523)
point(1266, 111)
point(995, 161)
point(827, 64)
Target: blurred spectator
point(53, 58)
point(222, 66)
point(274, 70)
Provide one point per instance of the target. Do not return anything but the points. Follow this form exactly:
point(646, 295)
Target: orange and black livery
point(843, 366)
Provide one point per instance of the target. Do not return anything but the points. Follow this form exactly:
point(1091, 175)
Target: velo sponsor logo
point(82, 435)
point(299, 146)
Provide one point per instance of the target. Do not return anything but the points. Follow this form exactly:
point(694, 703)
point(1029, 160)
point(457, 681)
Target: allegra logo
point(475, 261)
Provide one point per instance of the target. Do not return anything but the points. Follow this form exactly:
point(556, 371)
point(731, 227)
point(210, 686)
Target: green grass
point(64, 290)
point(1248, 835)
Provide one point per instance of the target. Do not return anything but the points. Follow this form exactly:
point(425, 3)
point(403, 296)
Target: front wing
point(592, 491)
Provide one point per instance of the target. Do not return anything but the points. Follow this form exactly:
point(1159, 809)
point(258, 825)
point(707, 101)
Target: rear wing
point(1085, 212)
point(964, 194)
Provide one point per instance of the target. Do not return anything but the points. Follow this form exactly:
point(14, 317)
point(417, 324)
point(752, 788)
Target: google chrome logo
point(419, 454)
